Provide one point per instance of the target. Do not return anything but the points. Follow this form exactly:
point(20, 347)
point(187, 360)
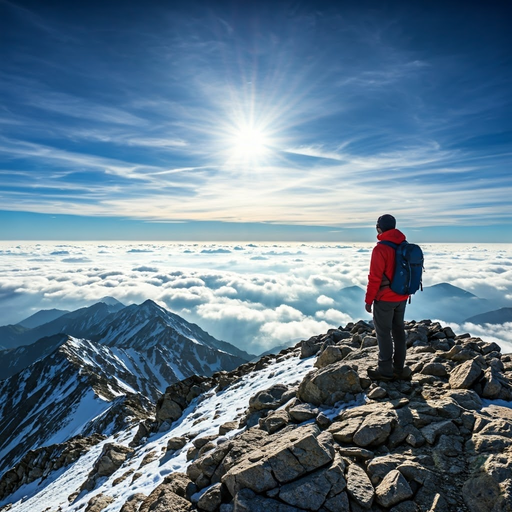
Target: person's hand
point(368, 308)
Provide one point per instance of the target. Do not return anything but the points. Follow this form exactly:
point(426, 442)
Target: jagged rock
point(377, 393)
point(369, 341)
point(172, 494)
point(303, 412)
point(492, 386)
point(239, 447)
point(168, 411)
point(468, 456)
point(466, 398)
point(176, 443)
point(449, 332)
point(311, 491)
point(110, 460)
point(323, 421)
point(206, 467)
point(125, 475)
point(133, 503)
point(211, 500)
point(309, 347)
point(145, 428)
point(379, 467)
point(405, 506)
point(340, 335)
point(393, 489)
point(292, 455)
point(432, 431)
point(329, 385)
point(200, 442)
point(343, 431)
point(228, 427)
point(359, 486)
point(178, 396)
point(436, 369)
point(224, 379)
point(268, 399)
point(98, 503)
point(490, 485)
point(331, 354)
point(247, 501)
point(338, 503)
point(375, 429)
point(356, 453)
point(361, 327)
point(275, 421)
point(413, 471)
point(41, 462)
point(148, 458)
point(465, 375)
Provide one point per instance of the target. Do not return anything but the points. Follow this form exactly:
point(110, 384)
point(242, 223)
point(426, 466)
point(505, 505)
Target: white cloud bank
point(229, 290)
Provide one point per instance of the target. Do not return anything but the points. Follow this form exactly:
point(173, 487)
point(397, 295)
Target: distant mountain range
point(79, 323)
point(442, 301)
point(94, 366)
point(42, 317)
point(500, 316)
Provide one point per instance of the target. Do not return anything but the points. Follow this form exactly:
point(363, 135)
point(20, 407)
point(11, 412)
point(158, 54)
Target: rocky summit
point(306, 430)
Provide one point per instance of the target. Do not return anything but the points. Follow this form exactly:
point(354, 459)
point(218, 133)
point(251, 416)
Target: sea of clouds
point(255, 296)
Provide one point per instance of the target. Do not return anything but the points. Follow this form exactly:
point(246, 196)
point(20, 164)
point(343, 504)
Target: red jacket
point(383, 262)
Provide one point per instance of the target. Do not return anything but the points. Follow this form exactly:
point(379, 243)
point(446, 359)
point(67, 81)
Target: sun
point(249, 143)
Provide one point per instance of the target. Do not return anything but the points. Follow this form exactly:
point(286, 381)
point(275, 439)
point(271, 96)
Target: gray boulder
point(329, 385)
point(331, 354)
point(359, 486)
point(291, 456)
point(375, 429)
point(247, 501)
point(465, 375)
point(311, 491)
point(393, 489)
point(268, 399)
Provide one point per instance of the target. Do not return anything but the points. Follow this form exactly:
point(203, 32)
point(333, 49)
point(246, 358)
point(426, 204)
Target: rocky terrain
point(310, 432)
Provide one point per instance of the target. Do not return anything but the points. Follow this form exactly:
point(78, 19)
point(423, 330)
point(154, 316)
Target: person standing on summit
point(388, 306)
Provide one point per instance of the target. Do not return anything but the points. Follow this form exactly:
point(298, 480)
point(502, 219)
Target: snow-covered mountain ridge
point(307, 430)
point(99, 384)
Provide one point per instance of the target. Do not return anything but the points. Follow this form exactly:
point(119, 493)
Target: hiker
point(388, 306)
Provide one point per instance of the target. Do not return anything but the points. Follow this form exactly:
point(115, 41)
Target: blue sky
point(255, 120)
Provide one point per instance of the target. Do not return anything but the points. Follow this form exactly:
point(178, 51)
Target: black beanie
point(386, 222)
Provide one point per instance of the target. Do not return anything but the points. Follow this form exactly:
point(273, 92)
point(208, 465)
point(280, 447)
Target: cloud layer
point(255, 296)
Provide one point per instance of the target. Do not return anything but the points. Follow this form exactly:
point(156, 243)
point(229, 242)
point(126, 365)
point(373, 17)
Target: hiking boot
point(375, 374)
point(405, 374)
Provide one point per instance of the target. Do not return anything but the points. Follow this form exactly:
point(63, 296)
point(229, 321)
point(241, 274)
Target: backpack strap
point(389, 244)
point(386, 281)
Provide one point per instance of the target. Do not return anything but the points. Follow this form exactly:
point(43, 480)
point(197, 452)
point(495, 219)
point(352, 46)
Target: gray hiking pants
point(388, 318)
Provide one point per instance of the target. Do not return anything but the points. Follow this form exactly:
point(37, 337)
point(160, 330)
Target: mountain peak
point(151, 304)
point(110, 301)
point(42, 317)
point(454, 291)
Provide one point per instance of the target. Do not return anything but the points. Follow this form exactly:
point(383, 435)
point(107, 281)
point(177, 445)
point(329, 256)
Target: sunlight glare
point(249, 143)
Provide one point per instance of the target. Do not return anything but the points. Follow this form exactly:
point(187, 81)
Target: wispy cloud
point(357, 108)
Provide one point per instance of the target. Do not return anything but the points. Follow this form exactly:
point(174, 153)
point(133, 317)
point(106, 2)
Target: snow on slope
point(60, 395)
point(202, 418)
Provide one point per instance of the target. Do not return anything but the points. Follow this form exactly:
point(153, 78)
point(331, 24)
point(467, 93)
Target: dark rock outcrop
point(38, 464)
